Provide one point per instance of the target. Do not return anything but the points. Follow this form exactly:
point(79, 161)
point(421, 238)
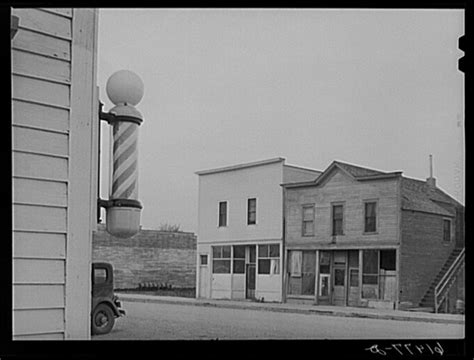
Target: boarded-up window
point(370, 274)
point(302, 283)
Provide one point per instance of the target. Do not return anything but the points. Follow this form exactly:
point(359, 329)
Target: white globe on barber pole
point(125, 89)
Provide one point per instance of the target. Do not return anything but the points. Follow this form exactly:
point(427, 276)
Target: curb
point(315, 311)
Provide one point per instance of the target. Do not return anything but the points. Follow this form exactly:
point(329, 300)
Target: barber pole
point(125, 90)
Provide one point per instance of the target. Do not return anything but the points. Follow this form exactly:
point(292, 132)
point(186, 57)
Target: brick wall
point(423, 253)
point(150, 256)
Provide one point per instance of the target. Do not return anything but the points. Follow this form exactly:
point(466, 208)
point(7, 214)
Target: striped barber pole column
point(125, 160)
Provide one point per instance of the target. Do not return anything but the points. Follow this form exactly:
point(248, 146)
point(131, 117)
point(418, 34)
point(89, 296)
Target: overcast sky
point(376, 88)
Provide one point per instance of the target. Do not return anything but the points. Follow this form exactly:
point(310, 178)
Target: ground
point(153, 321)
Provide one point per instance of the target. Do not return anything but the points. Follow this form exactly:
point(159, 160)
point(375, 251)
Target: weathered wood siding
point(47, 65)
point(339, 187)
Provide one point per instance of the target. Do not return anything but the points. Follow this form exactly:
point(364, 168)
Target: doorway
point(250, 272)
point(203, 276)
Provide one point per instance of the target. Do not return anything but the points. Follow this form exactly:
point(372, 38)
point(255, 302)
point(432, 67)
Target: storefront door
point(339, 286)
point(250, 272)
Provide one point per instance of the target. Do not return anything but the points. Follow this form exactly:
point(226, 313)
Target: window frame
point(221, 258)
point(206, 256)
point(332, 227)
point(219, 225)
point(249, 211)
point(269, 258)
point(450, 231)
point(303, 221)
point(371, 201)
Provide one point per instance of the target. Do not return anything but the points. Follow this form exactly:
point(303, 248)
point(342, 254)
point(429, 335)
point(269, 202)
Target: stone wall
point(150, 256)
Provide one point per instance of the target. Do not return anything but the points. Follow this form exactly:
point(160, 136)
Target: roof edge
point(240, 166)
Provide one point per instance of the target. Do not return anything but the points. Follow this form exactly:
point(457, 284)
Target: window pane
point(337, 211)
point(296, 258)
point(370, 279)
point(239, 267)
point(217, 252)
point(446, 230)
point(251, 211)
point(370, 216)
point(337, 227)
point(239, 252)
point(309, 262)
point(388, 259)
point(353, 258)
point(275, 250)
point(324, 269)
point(308, 213)
point(252, 254)
point(339, 275)
point(370, 262)
point(203, 259)
point(223, 213)
point(262, 251)
point(325, 257)
point(354, 277)
point(275, 266)
point(264, 266)
point(226, 252)
point(252, 204)
point(307, 228)
point(100, 276)
point(221, 266)
point(252, 218)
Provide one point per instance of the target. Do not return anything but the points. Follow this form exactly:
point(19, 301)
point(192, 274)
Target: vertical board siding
point(42, 21)
point(40, 91)
point(36, 321)
point(39, 218)
point(39, 192)
point(43, 116)
point(40, 141)
point(45, 296)
point(34, 271)
point(27, 244)
point(33, 64)
point(35, 165)
point(42, 44)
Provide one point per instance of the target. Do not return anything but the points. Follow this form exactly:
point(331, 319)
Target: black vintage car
point(105, 304)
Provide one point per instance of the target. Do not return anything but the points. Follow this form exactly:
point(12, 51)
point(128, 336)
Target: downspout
point(399, 247)
point(283, 250)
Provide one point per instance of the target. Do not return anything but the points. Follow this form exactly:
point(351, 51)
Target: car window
point(100, 276)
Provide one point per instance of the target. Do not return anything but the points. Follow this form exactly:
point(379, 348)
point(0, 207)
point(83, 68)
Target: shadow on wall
point(159, 260)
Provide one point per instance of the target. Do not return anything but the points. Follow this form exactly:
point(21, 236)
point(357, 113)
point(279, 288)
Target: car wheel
point(103, 319)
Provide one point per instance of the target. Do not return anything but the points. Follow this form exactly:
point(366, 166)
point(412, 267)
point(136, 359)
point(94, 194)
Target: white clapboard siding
point(42, 44)
point(40, 91)
point(67, 12)
point(36, 165)
point(39, 218)
point(38, 296)
point(39, 192)
point(42, 21)
point(42, 336)
point(36, 271)
point(41, 245)
point(39, 65)
point(37, 115)
point(35, 140)
point(38, 321)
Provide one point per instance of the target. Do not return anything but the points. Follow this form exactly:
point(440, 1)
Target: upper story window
point(308, 220)
point(223, 213)
point(337, 219)
point(251, 211)
point(446, 230)
point(370, 216)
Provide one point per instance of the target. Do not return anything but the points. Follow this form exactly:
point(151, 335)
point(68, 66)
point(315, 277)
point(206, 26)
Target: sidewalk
point(383, 314)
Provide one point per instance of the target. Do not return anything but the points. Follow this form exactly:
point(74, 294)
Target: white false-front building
point(240, 229)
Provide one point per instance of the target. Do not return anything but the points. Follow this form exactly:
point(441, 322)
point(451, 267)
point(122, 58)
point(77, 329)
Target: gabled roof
point(354, 171)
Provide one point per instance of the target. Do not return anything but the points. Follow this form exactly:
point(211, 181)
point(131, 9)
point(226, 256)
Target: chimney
point(431, 181)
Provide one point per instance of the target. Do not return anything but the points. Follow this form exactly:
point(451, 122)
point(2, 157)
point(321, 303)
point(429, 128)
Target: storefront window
point(239, 259)
point(302, 265)
point(269, 259)
point(221, 259)
point(370, 274)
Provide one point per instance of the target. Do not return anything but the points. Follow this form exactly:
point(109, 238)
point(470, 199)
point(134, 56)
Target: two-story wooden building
point(240, 228)
point(361, 237)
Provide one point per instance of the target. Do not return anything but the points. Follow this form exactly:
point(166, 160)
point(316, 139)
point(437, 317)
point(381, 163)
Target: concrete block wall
point(150, 256)
point(423, 253)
